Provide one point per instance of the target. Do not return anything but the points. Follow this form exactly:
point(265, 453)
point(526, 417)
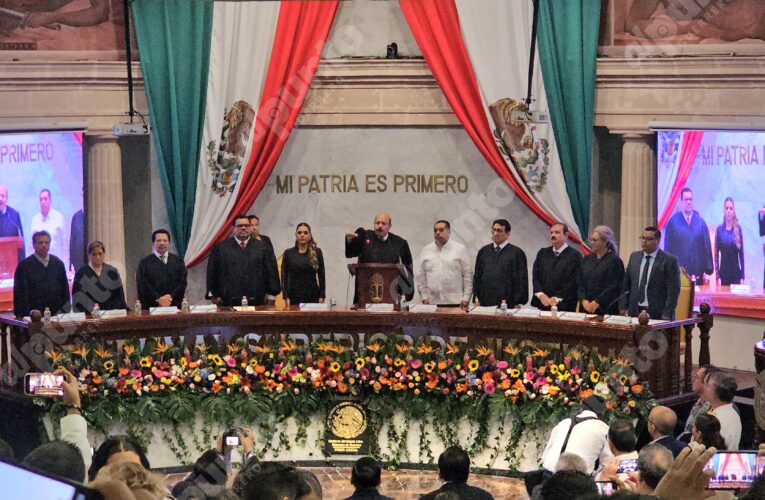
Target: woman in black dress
point(729, 248)
point(97, 283)
point(601, 274)
point(303, 269)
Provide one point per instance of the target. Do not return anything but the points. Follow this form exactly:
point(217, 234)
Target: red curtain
point(436, 27)
point(691, 143)
point(301, 32)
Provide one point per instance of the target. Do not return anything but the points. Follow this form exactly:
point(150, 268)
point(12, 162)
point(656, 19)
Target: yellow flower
point(374, 347)
point(403, 347)
point(335, 366)
point(594, 377)
point(360, 363)
point(512, 350)
point(564, 376)
point(623, 379)
point(483, 351)
point(145, 362)
point(102, 353)
point(575, 354)
point(428, 367)
point(515, 372)
point(288, 346)
point(233, 348)
point(201, 348)
point(108, 365)
point(540, 353)
point(473, 365)
point(263, 349)
point(161, 348)
point(399, 362)
point(184, 363)
point(452, 349)
point(129, 349)
point(215, 358)
point(554, 369)
point(425, 349)
point(622, 361)
point(81, 351)
point(54, 356)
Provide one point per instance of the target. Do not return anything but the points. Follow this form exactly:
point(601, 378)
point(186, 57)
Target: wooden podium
point(9, 255)
point(376, 283)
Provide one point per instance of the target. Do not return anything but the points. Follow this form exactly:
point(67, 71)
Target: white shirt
point(54, 224)
point(588, 440)
point(730, 425)
point(444, 274)
point(74, 429)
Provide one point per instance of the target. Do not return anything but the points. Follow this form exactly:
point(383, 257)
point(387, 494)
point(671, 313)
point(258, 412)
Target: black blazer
point(663, 286)
point(672, 445)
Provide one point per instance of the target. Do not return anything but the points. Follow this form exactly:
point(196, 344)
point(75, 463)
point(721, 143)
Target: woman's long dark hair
point(313, 259)
point(112, 446)
point(709, 427)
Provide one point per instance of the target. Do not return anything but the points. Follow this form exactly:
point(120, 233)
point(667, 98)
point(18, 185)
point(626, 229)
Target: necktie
point(557, 254)
point(643, 280)
point(497, 249)
point(163, 258)
point(242, 244)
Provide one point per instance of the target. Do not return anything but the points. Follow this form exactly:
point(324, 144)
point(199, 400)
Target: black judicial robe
point(690, 243)
point(372, 250)
point(234, 272)
point(501, 276)
point(556, 277)
point(601, 280)
point(77, 251)
point(10, 225)
point(155, 279)
point(89, 289)
point(36, 286)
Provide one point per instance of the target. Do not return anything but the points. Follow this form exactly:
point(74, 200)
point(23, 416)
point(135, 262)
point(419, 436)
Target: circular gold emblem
point(347, 420)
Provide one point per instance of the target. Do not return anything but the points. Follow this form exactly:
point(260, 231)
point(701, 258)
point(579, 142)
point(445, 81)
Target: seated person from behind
point(621, 441)
point(454, 469)
point(661, 426)
point(365, 477)
point(97, 283)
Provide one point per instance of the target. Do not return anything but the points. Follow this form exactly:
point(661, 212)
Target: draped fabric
point(568, 40)
point(174, 41)
point(301, 32)
point(689, 148)
point(497, 36)
point(241, 44)
point(436, 28)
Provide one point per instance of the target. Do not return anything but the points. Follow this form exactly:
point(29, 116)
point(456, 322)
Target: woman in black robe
point(97, 283)
point(601, 274)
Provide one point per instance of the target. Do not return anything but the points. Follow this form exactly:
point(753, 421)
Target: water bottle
point(137, 307)
point(245, 302)
point(332, 304)
point(46, 315)
point(404, 305)
point(554, 311)
point(503, 308)
point(185, 305)
point(96, 311)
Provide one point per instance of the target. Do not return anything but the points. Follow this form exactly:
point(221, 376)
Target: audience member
point(621, 441)
point(59, 458)
point(365, 477)
point(570, 461)
point(583, 435)
point(701, 405)
point(271, 481)
point(706, 431)
point(117, 449)
point(686, 477)
point(454, 468)
point(209, 470)
point(654, 460)
point(313, 482)
point(135, 476)
point(74, 428)
point(568, 485)
point(661, 425)
point(720, 391)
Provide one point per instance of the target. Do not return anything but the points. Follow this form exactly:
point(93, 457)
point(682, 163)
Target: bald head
point(662, 421)
point(3, 196)
point(382, 224)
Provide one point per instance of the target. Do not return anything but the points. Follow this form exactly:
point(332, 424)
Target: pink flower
point(489, 387)
point(135, 373)
point(230, 361)
point(416, 364)
point(501, 365)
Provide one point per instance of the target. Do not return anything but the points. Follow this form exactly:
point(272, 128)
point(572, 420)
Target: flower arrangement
point(539, 384)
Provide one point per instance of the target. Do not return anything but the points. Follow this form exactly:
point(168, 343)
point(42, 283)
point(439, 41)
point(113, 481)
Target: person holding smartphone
point(621, 441)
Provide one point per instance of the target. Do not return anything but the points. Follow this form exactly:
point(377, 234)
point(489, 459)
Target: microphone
point(617, 299)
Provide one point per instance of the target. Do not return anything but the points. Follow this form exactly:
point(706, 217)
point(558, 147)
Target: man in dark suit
point(241, 267)
point(454, 468)
point(161, 275)
point(380, 246)
point(555, 272)
point(10, 221)
point(500, 270)
point(652, 280)
point(687, 238)
point(661, 426)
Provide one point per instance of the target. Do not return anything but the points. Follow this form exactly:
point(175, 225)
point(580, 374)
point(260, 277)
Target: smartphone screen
point(22, 483)
point(43, 384)
point(732, 470)
point(606, 488)
point(232, 441)
point(628, 465)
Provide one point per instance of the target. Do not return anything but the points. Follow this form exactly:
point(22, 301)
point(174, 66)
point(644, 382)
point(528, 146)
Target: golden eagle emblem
point(225, 160)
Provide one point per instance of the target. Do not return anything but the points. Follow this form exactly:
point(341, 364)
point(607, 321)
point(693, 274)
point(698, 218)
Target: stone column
point(638, 208)
point(106, 220)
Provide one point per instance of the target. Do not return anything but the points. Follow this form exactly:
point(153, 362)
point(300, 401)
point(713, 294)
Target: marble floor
point(405, 484)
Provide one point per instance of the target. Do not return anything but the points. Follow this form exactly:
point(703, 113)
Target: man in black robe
point(241, 267)
point(500, 270)
point(380, 246)
point(77, 254)
point(687, 238)
point(555, 272)
point(255, 233)
point(161, 275)
point(40, 280)
point(10, 222)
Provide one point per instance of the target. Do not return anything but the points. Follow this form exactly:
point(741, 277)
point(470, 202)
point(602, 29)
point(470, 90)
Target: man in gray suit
point(652, 280)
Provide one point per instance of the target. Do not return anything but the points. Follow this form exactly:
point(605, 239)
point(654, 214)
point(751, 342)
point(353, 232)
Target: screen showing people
point(41, 188)
point(711, 206)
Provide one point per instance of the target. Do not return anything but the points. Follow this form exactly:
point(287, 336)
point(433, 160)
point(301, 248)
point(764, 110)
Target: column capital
point(646, 137)
point(101, 136)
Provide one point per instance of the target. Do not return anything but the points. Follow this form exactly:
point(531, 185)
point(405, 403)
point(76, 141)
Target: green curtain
point(568, 39)
point(174, 46)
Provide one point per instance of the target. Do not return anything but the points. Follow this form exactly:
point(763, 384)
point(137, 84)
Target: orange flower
point(504, 385)
point(445, 391)
point(216, 388)
point(519, 385)
point(431, 384)
point(161, 348)
point(631, 404)
point(452, 349)
point(377, 386)
point(442, 365)
point(263, 349)
point(460, 388)
point(260, 369)
point(483, 351)
point(425, 349)
point(610, 405)
point(487, 377)
point(511, 350)
point(403, 347)
point(636, 389)
point(129, 349)
point(124, 371)
point(553, 390)
point(374, 347)
point(342, 387)
point(585, 393)
point(193, 365)
point(97, 380)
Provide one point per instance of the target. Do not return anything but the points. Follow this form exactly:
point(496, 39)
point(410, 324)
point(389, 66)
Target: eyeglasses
point(497, 230)
point(240, 226)
point(647, 238)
